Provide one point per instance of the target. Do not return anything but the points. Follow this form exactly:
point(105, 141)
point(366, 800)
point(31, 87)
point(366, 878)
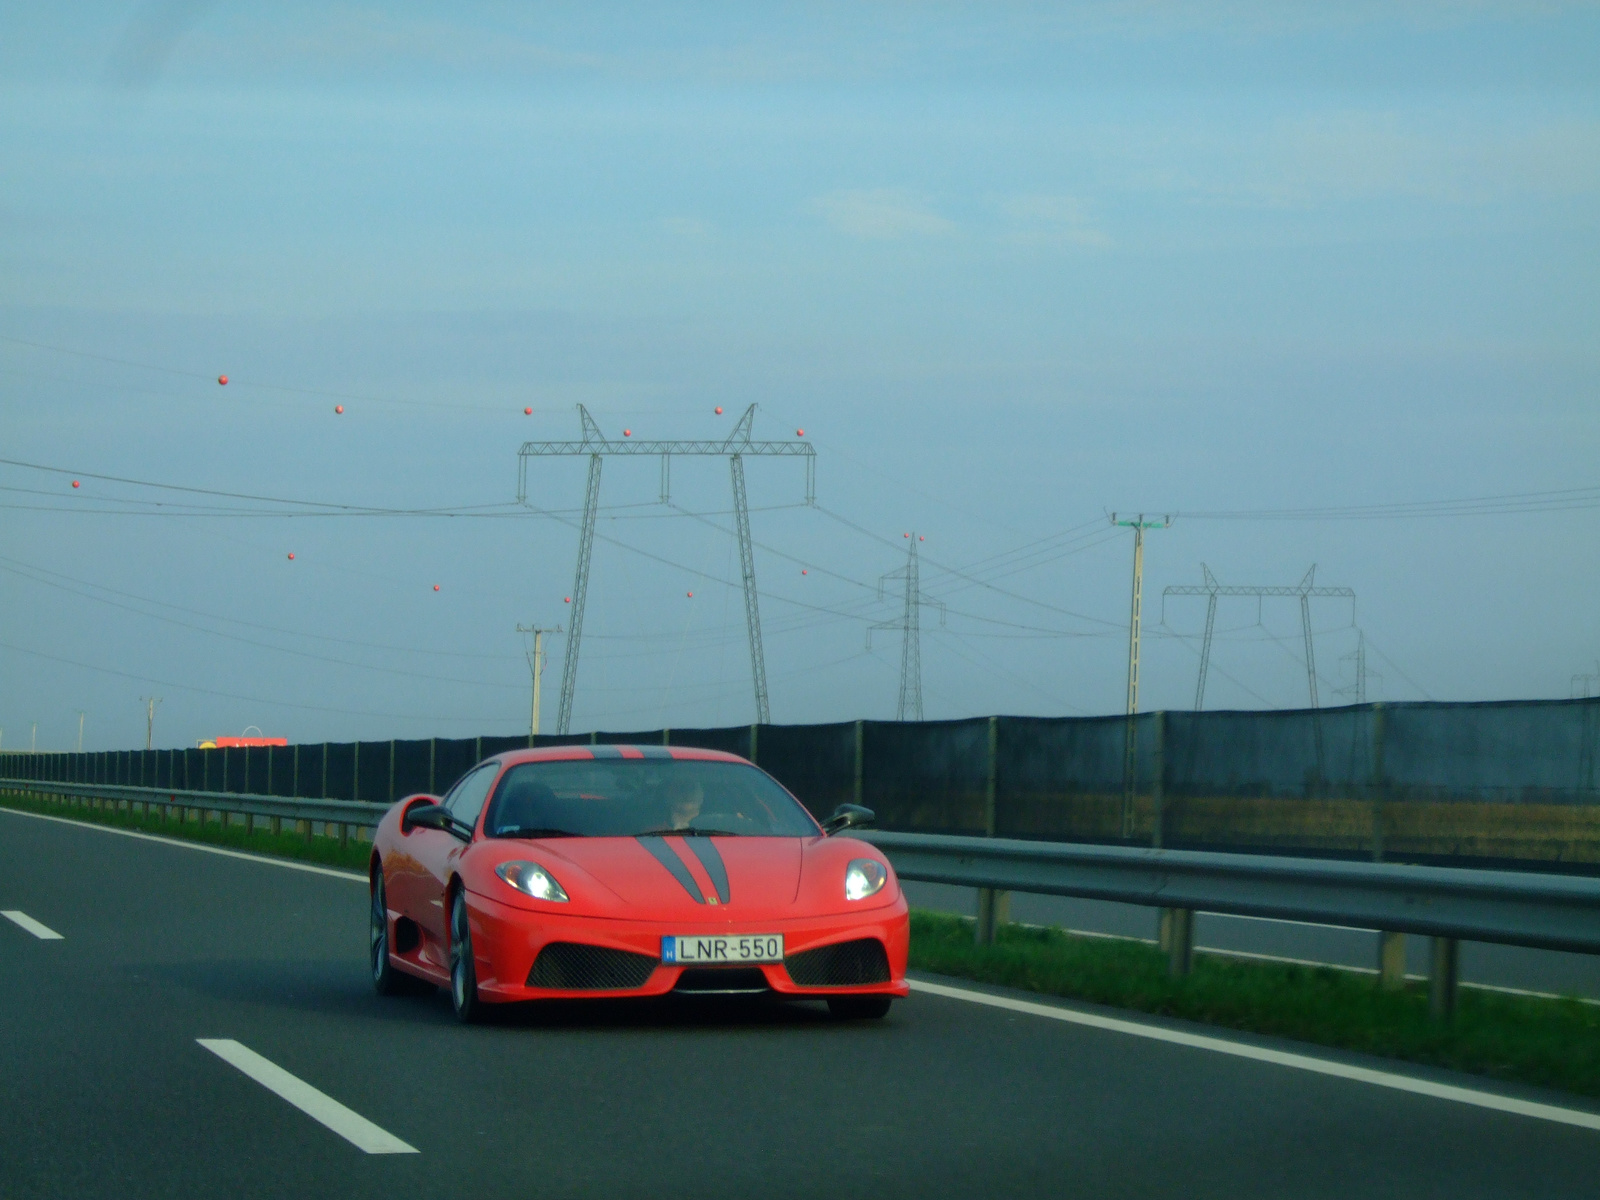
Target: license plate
point(723, 948)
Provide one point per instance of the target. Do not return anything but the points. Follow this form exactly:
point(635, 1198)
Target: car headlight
point(864, 877)
point(531, 880)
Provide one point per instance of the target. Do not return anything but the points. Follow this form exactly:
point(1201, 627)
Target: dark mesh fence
point(413, 766)
point(733, 739)
point(1494, 784)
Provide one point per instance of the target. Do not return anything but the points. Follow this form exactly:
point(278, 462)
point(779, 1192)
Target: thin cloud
point(1045, 220)
point(880, 213)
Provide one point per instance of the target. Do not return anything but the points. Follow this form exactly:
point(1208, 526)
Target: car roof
point(581, 753)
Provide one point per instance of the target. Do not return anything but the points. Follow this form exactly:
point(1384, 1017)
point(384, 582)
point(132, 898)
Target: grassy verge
point(317, 849)
point(1550, 1043)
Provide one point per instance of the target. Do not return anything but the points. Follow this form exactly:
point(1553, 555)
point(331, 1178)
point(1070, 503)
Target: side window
point(465, 800)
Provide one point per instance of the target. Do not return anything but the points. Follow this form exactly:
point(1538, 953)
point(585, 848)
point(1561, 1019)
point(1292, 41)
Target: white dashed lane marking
point(41, 931)
point(319, 1106)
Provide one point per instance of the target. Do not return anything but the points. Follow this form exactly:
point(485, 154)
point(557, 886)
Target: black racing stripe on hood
point(663, 854)
point(711, 860)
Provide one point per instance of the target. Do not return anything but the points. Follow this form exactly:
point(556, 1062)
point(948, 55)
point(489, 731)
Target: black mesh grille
point(596, 968)
point(722, 979)
point(840, 965)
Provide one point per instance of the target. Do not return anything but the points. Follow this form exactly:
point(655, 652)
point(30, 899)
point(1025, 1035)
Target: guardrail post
point(1443, 977)
point(1177, 939)
point(277, 825)
point(1391, 960)
point(344, 836)
point(994, 905)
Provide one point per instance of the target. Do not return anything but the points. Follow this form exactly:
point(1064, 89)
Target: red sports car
point(583, 871)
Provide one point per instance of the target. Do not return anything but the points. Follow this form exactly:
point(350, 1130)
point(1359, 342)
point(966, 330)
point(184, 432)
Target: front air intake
point(573, 966)
point(840, 965)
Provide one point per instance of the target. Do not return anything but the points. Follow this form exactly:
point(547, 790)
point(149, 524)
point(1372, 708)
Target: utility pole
point(536, 665)
point(150, 719)
point(1129, 745)
point(596, 447)
point(910, 625)
point(80, 731)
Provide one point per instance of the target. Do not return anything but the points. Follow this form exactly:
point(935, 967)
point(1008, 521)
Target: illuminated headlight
point(864, 877)
point(532, 880)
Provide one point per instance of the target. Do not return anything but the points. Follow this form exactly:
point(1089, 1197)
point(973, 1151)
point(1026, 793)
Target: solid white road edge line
point(351, 1126)
point(43, 932)
point(1298, 1062)
point(185, 844)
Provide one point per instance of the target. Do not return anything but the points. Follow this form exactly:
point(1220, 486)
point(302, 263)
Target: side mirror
point(846, 816)
point(427, 816)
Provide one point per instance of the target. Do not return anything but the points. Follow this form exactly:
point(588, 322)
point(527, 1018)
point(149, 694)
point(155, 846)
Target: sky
point(1311, 280)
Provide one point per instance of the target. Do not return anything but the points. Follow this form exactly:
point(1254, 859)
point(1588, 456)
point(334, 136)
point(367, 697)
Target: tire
point(463, 969)
point(859, 1008)
point(386, 980)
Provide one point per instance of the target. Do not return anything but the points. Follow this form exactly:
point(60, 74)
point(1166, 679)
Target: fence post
point(270, 757)
point(294, 771)
point(993, 904)
point(355, 777)
point(1158, 784)
point(433, 749)
point(324, 770)
point(861, 748)
point(1443, 977)
point(753, 730)
point(392, 796)
point(1391, 945)
point(666, 737)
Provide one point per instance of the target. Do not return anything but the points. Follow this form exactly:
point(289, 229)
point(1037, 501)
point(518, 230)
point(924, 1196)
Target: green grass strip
point(318, 849)
point(1550, 1043)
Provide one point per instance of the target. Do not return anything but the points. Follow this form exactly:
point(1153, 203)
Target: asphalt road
point(1516, 967)
point(105, 1091)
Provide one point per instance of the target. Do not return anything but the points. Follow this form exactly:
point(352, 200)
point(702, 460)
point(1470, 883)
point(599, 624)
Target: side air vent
point(840, 965)
point(574, 966)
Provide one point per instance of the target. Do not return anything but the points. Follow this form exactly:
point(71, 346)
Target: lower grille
point(840, 965)
point(574, 966)
point(721, 980)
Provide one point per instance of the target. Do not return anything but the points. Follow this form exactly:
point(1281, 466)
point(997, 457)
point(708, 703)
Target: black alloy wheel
point(859, 1008)
point(463, 970)
point(386, 980)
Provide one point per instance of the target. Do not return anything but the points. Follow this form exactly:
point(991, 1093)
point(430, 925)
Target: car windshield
point(639, 797)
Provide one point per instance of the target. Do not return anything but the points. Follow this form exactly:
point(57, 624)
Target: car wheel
point(386, 980)
point(463, 971)
point(858, 1008)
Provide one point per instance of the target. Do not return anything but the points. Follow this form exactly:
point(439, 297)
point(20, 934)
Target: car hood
point(689, 876)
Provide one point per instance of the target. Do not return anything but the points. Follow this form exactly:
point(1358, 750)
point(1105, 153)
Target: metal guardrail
point(1554, 912)
point(345, 813)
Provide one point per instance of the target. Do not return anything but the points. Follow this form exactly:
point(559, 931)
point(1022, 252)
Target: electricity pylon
point(910, 625)
point(1304, 591)
point(1584, 686)
point(596, 446)
point(150, 719)
point(1357, 689)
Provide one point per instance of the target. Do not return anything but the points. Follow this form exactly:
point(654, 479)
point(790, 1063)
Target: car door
point(436, 853)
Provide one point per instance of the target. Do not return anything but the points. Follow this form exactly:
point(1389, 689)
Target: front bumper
point(507, 940)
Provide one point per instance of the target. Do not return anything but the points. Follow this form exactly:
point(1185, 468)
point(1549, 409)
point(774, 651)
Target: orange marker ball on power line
point(291, 556)
point(566, 599)
point(803, 571)
point(627, 433)
point(799, 433)
point(74, 483)
point(691, 595)
point(719, 410)
point(436, 587)
point(338, 408)
point(223, 380)
point(920, 538)
point(527, 412)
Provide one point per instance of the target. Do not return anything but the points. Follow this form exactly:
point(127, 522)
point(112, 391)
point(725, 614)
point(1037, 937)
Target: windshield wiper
point(526, 832)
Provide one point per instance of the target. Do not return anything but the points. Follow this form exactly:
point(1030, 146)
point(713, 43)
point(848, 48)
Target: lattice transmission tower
point(597, 447)
point(913, 599)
